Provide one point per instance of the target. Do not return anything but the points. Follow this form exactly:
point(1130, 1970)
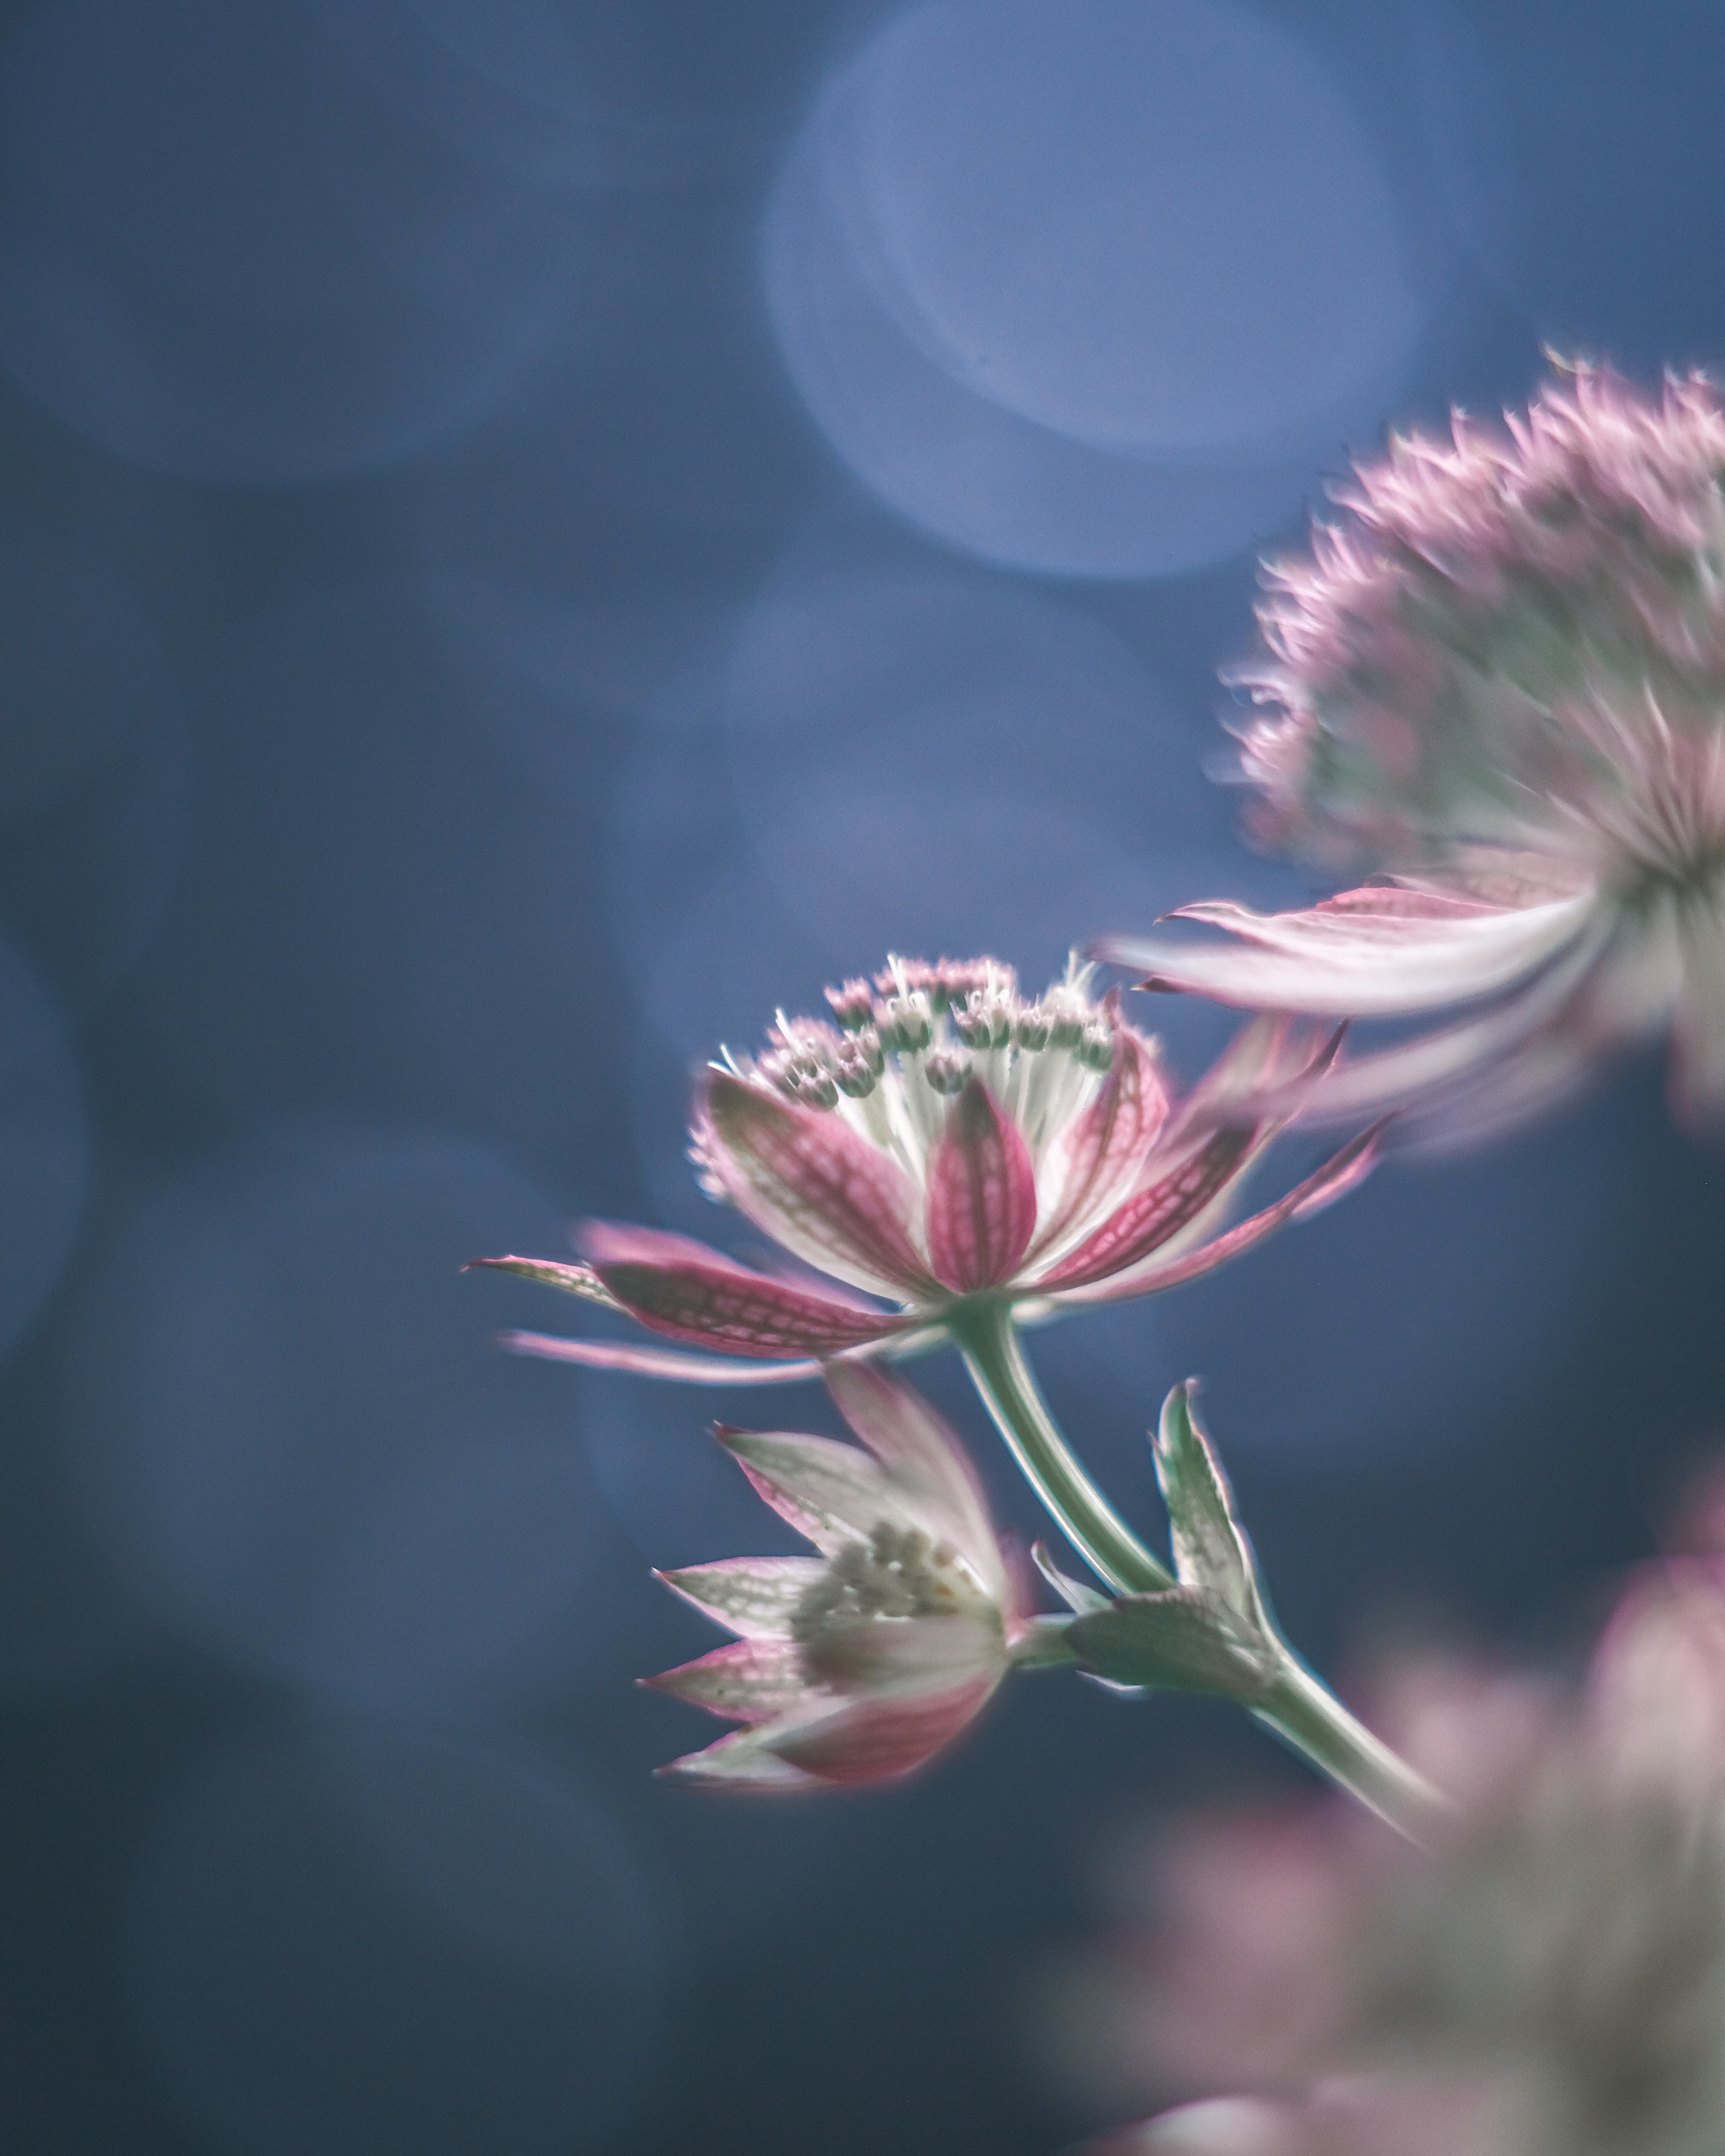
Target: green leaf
point(1181, 1639)
point(1076, 1593)
point(1211, 1551)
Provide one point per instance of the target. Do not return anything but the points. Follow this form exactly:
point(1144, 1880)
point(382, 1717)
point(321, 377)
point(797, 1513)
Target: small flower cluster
point(856, 1664)
point(1502, 681)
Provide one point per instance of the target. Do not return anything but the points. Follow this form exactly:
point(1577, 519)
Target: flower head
point(856, 1664)
point(1550, 1981)
point(942, 1138)
point(1502, 679)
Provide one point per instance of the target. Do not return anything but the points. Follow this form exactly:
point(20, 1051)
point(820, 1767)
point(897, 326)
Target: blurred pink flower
point(1548, 1981)
point(1502, 679)
point(948, 1137)
point(856, 1664)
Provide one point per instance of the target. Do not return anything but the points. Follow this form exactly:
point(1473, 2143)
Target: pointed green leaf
point(1076, 1593)
point(1210, 1546)
point(1181, 1639)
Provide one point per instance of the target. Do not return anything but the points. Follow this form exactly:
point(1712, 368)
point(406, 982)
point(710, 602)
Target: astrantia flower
point(1550, 1982)
point(856, 1664)
point(947, 1138)
point(1502, 680)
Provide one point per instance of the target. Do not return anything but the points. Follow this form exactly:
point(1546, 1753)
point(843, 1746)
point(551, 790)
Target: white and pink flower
point(1501, 681)
point(855, 1665)
point(945, 1137)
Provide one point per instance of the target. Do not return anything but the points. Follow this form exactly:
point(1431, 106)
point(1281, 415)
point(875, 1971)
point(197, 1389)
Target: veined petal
point(571, 1279)
point(921, 1454)
point(982, 1194)
point(875, 1740)
point(1154, 1215)
point(1364, 955)
point(741, 1761)
point(714, 1303)
point(658, 1362)
point(813, 1184)
point(1097, 1156)
point(1334, 1180)
point(751, 1681)
point(834, 1494)
point(754, 1597)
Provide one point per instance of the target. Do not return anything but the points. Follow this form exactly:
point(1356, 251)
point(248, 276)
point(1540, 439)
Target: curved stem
point(1313, 1722)
point(989, 1340)
point(1296, 1707)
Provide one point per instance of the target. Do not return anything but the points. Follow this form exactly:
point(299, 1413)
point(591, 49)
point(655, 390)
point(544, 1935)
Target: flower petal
point(875, 1740)
point(751, 1681)
point(982, 1194)
point(906, 1657)
point(1365, 954)
point(813, 1184)
point(754, 1597)
point(834, 1494)
point(714, 1303)
point(1338, 1175)
point(925, 1457)
point(658, 1362)
point(1154, 1215)
point(741, 1761)
point(571, 1279)
point(1698, 1044)
point(1097, 1156)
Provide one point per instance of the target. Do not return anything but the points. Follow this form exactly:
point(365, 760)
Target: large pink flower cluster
point(1502, 679)
point(1549, 1980)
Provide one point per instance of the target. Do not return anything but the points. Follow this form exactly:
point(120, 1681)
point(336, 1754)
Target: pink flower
point(948, 1138)
point(854, 1666)
point(1502, 680)
point(1548, 1981)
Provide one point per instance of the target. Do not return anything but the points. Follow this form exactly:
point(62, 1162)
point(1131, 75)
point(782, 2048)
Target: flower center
point(898, 1572)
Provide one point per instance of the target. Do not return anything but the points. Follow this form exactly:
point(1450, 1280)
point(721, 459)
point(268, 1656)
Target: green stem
point(1317, 1725)
point(1297, 1707)
point(989, 1340)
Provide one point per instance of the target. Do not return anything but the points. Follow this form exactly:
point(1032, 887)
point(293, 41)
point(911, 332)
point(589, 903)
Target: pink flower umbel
point(947, 1141)
point(1502, 679)
point(1548, 1981)
point(854, 1666)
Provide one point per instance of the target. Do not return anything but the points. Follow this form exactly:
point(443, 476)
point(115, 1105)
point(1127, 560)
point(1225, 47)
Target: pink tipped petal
point(982, 1194)
point(741, 1762)
point(1156, 1214)
point(808, 1180)
point(658, 1362)
point(754, 1597)
point(916, 1447)
point(717, 1303)
point(1361, 961)
point(873, 1741)
point(1337, 1175)
point(622, 1243)
point(834, 1494)
point(1096, 1156)
point(751, 1681)
point(571, 1280)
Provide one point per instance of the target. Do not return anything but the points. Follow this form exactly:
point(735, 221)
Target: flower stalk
point(1205, 1627)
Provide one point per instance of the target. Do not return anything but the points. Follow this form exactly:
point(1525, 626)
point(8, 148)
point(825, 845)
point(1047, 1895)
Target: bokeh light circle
point(297, 1443)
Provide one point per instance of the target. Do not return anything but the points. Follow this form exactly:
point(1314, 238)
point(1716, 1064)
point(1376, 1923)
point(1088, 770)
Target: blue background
point(533, 532)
